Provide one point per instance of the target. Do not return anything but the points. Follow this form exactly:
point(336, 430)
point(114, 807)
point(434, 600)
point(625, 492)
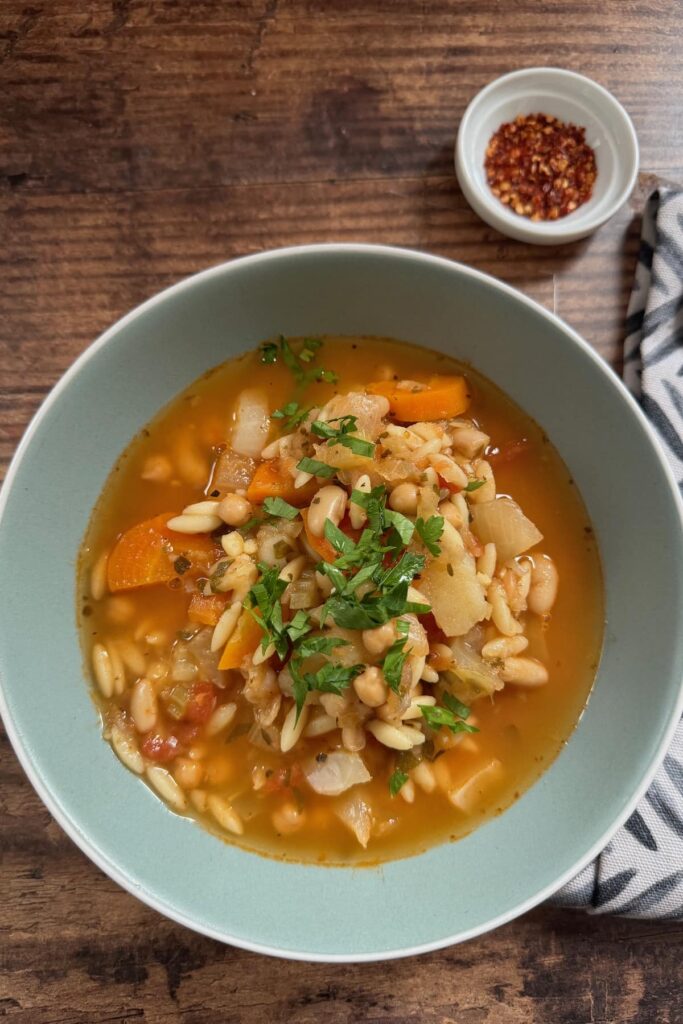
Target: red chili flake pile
point(540, 167)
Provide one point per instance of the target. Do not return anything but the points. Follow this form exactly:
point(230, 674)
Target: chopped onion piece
point(251, 422)
point(337, 773)
point(503, 523)
point(356, 813)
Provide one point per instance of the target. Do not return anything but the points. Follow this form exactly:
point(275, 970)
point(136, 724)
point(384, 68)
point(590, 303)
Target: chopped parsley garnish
point(297, 362)
point(331, 678)
point(430, 532)
point(280, 508)
point(451, 715)
point(395, 658)
point(474, 485)
point(317, 468)
point(343, 434)
point(397, 781)
point(339, 540)
point(181, 564)
point(292, 414)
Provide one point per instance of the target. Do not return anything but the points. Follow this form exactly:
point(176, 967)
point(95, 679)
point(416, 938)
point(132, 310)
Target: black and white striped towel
point(640, 872)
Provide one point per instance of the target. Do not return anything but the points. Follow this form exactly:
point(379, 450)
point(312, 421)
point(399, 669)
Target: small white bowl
point(572, 98)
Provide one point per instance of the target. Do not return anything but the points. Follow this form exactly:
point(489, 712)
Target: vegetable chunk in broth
point(341, 601)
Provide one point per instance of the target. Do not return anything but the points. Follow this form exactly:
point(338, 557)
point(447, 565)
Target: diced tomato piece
point(160, 748)
point(285, 778)
point(201, 704)
point(186, 732)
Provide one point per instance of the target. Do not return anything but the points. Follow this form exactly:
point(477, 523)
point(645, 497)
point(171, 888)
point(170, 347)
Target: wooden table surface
point(142, 140)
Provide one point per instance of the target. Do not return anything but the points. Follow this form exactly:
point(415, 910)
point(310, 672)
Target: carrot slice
point(245, 639)
point(145, 554)
point(271, 480)
point(206, 610)
point(439, 399)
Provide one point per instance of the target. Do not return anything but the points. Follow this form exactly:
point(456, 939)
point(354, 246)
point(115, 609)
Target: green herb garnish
point(451, 716)
point(296, 362)
point(397, 781)
point(395, 658)
point(430, 532)
point(474, 485)
point(280, 508)
point(292, 414)
point(343, 434)
point(317, 468)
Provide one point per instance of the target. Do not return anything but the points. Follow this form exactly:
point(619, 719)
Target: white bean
point(143, 705)
point(449, 470)
point(166, 786)
point(329, 503)
point(194, 523)
point(486, 563)
point(544, 583)
point(502, 617)
point(225, 626)
point(504, 647)
point(424, 776)
point(390, 735)
point(126, 750)
point(320, 725)
point(292, 571)
point(233, 544)
point(102, 668)
point(226, 816)
point(98, 577)
point(221, 718)
point(487, 492)
point(292, 728)
point(524, 672)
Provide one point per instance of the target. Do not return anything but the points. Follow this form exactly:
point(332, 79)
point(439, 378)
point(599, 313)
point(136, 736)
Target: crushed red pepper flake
point(540, 167)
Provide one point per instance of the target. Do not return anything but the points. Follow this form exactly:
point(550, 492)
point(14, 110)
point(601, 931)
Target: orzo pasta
point(340, 600)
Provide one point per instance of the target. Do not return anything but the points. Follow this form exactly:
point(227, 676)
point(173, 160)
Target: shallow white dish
point(570, 97)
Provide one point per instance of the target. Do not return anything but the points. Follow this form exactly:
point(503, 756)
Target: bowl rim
point(498, 216)
point(70, 826)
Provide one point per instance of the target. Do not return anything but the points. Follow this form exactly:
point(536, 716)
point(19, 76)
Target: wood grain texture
point(141, 140)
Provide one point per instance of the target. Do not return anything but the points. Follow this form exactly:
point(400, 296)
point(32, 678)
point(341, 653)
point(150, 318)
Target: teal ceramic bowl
point(453, 891)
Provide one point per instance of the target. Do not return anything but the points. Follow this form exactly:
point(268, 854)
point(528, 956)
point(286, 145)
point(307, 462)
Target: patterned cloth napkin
point(640, 872)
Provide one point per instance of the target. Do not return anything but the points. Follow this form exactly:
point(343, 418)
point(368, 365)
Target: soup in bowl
point(369, 620)
point(497, 390)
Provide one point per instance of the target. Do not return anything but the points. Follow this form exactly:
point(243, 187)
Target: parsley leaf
point(263, 601)
point(317, 468)
point(299, 626)
point(397, 781)
point(456, 706)
point(395, 658)
point(342, 435)
point(474, 485)
point(403, 526)
point(337, 538)
point(430, 532)
point(271, 351)
point(435, 717)
point(292, 414)
point(280, 508)
point(331, 678)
